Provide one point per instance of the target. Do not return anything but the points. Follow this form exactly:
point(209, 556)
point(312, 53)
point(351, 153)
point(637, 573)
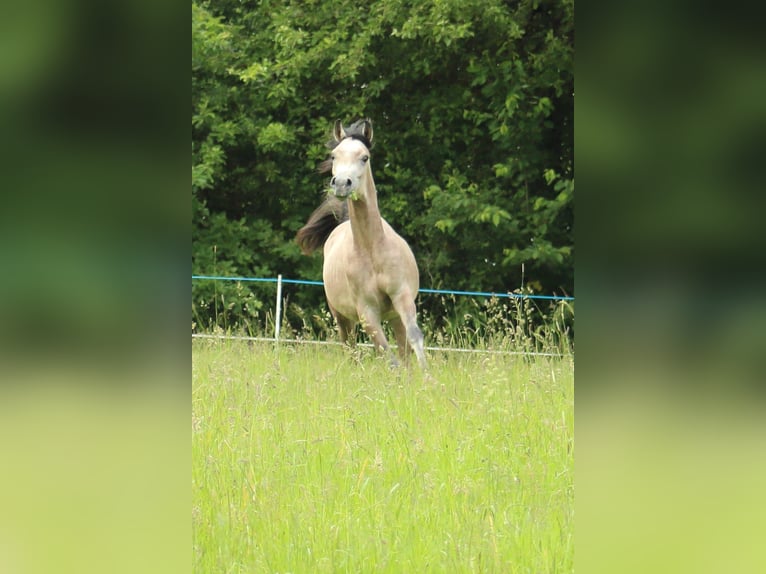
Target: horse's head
point(351, 159)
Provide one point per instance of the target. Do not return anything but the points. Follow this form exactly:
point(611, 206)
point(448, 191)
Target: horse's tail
point(325, 218)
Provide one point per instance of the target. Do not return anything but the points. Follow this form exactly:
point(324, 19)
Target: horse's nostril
point(340, 182)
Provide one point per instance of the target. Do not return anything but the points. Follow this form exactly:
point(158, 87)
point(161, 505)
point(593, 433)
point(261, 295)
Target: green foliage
point(473, 109)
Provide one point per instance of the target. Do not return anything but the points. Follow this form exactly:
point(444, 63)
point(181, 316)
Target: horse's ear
point(337, 131)
point(367, 130)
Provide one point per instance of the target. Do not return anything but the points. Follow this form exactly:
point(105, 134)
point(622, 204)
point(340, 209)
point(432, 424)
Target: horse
point(369, 271)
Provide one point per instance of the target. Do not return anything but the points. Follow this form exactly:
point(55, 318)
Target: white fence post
point(278, 317)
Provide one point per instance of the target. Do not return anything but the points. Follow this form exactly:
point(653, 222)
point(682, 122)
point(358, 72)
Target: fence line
point(280, 280)
point(338, 343)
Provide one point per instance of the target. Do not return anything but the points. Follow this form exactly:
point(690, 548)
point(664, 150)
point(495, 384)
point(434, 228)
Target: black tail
point(325, 218)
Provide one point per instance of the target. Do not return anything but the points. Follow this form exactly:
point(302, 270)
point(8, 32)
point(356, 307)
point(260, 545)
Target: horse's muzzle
point(341, 187)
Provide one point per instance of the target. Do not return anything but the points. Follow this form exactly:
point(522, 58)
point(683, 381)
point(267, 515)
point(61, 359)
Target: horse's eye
point(332, 157)
point(365, 158)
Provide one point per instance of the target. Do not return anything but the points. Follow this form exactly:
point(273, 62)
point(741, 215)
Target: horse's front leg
point(404, 305)
point(345, 328)
point(374, 329)
point(400, 332)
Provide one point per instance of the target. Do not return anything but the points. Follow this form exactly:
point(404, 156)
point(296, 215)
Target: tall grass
point(317, 459)
point(510, 324)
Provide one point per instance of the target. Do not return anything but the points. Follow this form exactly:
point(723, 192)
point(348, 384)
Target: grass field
point(319, 459)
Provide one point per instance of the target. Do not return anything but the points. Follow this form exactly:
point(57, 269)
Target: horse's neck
point(366, 224)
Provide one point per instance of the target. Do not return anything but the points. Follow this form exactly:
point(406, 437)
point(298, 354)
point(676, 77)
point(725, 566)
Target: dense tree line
point(472, 103)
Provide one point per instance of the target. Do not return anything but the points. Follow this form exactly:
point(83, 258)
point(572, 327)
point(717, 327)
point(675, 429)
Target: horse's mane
point(325, 218)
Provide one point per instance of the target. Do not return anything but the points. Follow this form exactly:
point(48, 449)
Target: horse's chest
point(355, 273)
point(351, 280)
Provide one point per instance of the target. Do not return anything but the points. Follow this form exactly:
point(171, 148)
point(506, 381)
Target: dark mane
point(325, 218)
point(354, 131)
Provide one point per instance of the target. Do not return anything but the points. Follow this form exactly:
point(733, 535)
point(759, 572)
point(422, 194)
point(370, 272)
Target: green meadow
point(312, 458)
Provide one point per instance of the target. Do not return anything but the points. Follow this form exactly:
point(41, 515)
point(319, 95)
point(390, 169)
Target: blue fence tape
point(442, 291)
point(259, 279)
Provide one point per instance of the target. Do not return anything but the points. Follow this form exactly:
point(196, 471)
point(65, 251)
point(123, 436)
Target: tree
point(472, 102)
